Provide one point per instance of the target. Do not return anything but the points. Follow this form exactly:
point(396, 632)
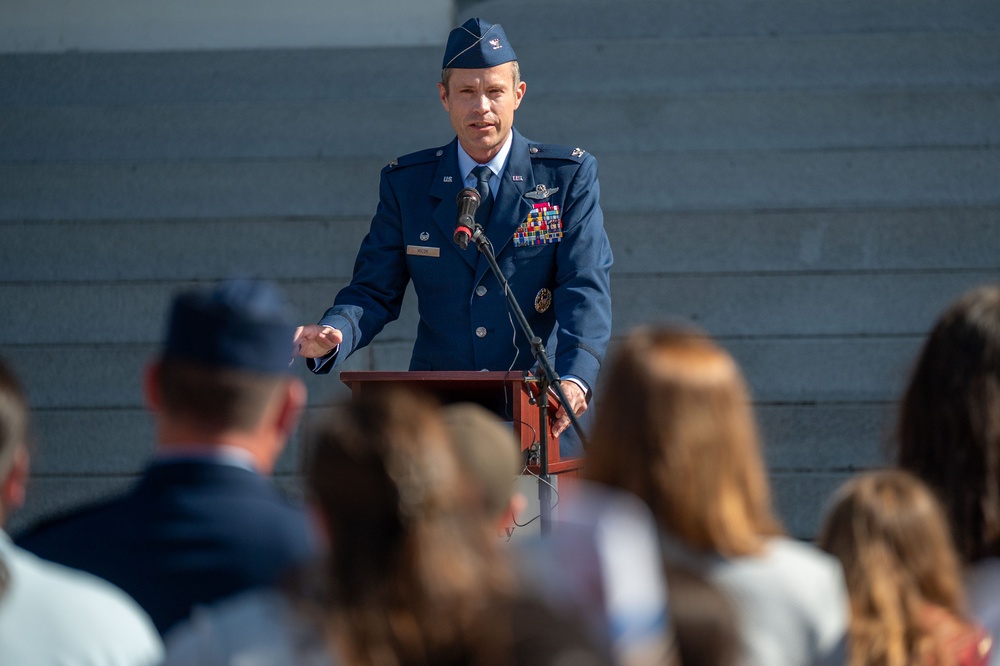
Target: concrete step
point(817, 370)
point(842, 304)
point(671, 243)
point(595, 68)
point(569, 22)
point(630, 182)
point(794, 120)
point(119, 442)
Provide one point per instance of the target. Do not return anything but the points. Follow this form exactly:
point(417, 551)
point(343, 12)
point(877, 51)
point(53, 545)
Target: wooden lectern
point(508, 394)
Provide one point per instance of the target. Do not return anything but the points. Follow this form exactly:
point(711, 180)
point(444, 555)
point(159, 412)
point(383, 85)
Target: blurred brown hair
point(412, 570)
point(949, 422)
point(891, 537)
point(676, 428)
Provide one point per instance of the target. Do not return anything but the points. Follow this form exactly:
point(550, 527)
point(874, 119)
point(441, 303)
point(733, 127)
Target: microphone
point(468, 204)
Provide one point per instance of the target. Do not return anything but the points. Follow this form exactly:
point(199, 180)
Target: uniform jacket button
point(480, 290)
point(481, 332)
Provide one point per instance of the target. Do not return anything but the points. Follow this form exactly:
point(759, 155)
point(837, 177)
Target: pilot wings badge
point(540, 193)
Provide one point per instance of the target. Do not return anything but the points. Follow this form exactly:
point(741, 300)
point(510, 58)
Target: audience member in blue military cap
point(203, 522)
point(540, 208)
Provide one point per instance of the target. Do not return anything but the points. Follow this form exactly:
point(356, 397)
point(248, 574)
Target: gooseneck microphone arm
point(547, 377)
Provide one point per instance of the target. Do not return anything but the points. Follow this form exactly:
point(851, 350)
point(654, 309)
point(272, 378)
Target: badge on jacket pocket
point(543, 226)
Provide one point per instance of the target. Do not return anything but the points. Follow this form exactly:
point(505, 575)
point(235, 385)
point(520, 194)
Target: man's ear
point(293, 402)
point(12, 488)
point(519, 93)
point(518, 503)
point(443, 94)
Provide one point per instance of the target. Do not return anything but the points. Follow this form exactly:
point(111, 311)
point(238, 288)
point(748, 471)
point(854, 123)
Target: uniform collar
point(230, 456)
point(466, 164)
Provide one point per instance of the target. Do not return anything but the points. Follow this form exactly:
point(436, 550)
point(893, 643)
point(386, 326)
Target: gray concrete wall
point(810, 182)
point(35, 26)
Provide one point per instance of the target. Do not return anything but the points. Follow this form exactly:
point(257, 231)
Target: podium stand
point(507, 394)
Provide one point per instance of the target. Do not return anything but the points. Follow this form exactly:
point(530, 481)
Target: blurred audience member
point(676, 429)
point(204, 522)
point(490, 457)
point(50, 614)
point(704, 621)
point(602, 558)
point(949, 436)
point(415, 572)
point(903, 575)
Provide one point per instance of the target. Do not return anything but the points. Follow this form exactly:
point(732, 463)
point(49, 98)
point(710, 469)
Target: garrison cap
point(238, 325)
point(477, 44)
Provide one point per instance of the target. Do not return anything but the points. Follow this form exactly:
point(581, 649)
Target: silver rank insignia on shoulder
point(393, 163)
point(540, 193)
point(543, 300)
point(578, 152)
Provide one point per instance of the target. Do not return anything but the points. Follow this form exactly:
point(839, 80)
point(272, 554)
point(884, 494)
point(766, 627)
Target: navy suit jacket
point(189, 533)
point(563, 287)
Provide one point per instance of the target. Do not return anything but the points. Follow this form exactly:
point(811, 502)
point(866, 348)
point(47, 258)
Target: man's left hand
point(577, 399)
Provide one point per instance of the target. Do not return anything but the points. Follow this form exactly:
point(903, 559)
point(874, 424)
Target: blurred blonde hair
point(676, 428)
point(891, 536)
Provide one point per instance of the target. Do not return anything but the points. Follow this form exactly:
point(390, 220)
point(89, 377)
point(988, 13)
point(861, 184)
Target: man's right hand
point(313, 340)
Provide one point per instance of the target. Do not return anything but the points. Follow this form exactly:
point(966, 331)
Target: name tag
point(423, 251)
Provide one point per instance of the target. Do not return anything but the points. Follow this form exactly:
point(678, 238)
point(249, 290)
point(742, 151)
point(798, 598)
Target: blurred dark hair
point(948, 431)
point(216, 398)
point(704, 620)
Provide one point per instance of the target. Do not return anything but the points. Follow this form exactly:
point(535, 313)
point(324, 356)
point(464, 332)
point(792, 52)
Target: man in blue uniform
point(204, 521)
point(540, 211)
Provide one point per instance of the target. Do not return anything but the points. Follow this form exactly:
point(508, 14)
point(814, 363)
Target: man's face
point(481, 104)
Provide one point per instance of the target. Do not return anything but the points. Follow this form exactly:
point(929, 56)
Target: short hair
point(948, 430)
point(891, 536)
point(515, 70)
point(487, 452)
point(675, 427)
point(216, 398)
point(13, 417)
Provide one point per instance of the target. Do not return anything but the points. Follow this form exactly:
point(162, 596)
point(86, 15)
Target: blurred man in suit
point(50, 614)
point(204, 522)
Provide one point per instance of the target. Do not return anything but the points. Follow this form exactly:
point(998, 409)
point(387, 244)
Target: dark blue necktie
point(483, 174)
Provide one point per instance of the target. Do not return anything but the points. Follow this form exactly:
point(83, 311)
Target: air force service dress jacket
point(547, 231)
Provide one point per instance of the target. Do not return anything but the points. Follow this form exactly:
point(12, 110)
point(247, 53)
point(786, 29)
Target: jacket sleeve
point(582, 296)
